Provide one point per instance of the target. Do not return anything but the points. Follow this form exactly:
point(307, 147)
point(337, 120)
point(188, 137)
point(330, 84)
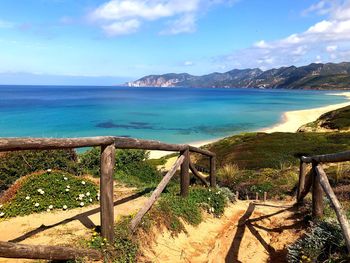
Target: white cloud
point(328, 39)
point(121, 28)
point(188, 63)
point(180, 15)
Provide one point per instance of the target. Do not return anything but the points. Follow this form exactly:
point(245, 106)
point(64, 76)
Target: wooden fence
point(317, 179)
point(108, 146)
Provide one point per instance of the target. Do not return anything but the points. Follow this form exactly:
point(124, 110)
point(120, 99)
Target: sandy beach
point(290, 122)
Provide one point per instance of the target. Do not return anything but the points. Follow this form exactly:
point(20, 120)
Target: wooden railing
point(317, 179)
point(108, 146)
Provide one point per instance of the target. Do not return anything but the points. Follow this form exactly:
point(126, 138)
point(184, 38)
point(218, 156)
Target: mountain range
point(313, 76)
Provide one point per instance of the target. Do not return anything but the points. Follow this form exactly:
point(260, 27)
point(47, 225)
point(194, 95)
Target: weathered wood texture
point(328, 158)
point(307, 187)
point(201, 151)
point(197, 174)
point(185, 175)
point(344, 223)
point(213, 171)
point(13, 250)
point(302, 174)
point(137, 219)
point(265, 196)
point(317, 194)
point(17, 144)
point(130, 143)
point(106, 191)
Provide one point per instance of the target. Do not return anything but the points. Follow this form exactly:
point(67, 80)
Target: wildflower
point(88, 194)
point(68, 186)
point(65, 178)
point(2, 214)
point(83, 182)
point(98, 198)
point(36, 204)
point(212, 209)
point(90, 200)
point(82, 195)
point(209, 190)
point(49, 170)
point(41, 191)
point(67, 189)
point(48, 210)
point(50, 206)
point(81, 204)
point(0, 206)
point(27, 197)
point(80, 198)
point(208, 198)
point(64, 207)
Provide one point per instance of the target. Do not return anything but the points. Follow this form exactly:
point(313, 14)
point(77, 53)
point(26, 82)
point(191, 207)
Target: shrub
point(322, 243)
point(49, 191)
point(14, 165)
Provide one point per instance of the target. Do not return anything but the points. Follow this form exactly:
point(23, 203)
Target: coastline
point(290, 122)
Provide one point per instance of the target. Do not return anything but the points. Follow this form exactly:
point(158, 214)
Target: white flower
point(98, 197)
point(27, 197)
point(90, 200)
point(83, 182)
point(65, 178)
point(50, 206)
point(80, 198)
point(36, 204)
point(82, 204)
point(2, 214)
point(39, 190)
point(42, 192)
point(88, 194)
point(0, 206)
point(48, 210)
point(209, 190)
point(49, 170)
point(64, 207)
point(212, 209)
point(209, 198)
point(67, 189)
point(68, 186)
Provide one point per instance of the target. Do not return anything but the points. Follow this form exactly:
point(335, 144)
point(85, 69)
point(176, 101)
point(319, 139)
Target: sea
point(173, 115)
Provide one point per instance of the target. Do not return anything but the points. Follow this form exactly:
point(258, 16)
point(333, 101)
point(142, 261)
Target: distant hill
point(313, 76)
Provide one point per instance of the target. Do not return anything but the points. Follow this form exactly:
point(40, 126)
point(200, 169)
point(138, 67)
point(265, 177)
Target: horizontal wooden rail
point(328, 158)
point(344, 224)
point(201, 151)
point(13, 250)
point(18, 144)
point(156, 193)
point(130, 143)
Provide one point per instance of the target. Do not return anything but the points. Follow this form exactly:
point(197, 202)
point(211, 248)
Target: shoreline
point(290, 121)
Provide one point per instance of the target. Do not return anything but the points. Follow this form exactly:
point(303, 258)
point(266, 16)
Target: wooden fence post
point(265, 196)
point(237, 195)
point(302, 174)
point(317, 194)
point(106, 192)
point(212, 171)
point(256, 196)
point(185, 174)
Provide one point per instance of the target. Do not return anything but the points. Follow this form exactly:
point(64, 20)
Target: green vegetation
point(48, 191)
point(324, 242)
point(14, 165)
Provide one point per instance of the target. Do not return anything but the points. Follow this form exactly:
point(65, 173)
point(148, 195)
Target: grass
point(48, 191)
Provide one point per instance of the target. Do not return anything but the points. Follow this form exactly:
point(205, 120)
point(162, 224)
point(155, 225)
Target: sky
point(112, 41)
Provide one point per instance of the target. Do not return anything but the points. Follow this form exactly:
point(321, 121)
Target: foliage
point(14, 165)
point(253, 151)
point(171, 207)
point(125, 246)
point(48, 191)
point(324, 243)
point(89, 161)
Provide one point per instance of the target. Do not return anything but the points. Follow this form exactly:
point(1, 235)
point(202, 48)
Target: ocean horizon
point(173, 115)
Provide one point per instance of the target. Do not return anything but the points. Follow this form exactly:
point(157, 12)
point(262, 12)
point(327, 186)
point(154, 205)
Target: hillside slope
point(313, 76)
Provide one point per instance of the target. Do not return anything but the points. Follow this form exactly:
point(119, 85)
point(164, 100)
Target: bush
point(14, 165)
point(49, 191)
point(324, 243)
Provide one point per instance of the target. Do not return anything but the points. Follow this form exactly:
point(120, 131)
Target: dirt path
point(65, 227)
point(247, 232)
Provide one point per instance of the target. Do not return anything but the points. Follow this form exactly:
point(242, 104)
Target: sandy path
point(64, 227)
point(247, 232)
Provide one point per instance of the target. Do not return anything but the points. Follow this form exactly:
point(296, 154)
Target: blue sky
point(101, 41)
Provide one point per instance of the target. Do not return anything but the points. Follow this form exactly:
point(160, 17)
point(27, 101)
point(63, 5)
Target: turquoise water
point(174, 115)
